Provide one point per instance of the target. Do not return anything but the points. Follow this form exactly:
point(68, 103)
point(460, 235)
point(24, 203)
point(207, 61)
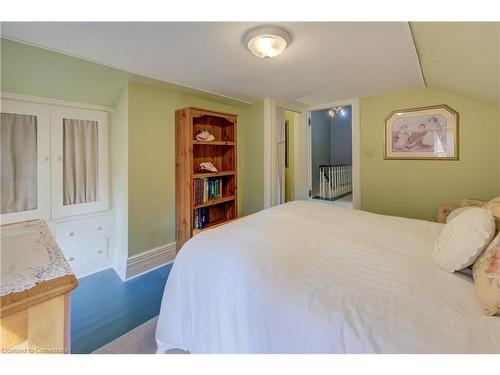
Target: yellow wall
point(498, 148)
point(417, 188)
point(151, 163)
point(289, 171)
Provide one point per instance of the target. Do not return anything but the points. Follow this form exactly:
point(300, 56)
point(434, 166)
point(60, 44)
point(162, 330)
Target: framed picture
point(422, 133)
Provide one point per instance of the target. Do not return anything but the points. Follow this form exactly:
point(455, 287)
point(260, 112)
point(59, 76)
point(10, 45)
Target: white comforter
point(307, 277)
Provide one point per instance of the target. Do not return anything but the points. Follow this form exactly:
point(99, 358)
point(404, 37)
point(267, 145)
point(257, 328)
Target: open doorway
point(332, 155)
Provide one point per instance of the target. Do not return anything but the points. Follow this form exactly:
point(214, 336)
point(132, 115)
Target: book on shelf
point(205, 189)
point(200, 218)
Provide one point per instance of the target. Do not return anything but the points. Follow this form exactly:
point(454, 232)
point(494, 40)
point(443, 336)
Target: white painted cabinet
point(84, 241)
point(79, 148)
point(25, 161)
point(55, 168)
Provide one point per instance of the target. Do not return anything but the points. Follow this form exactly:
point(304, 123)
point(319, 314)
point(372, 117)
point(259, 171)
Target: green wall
point(413, 188)
point(118, 137)
point(39, 72)
point(36, 71)
point(252, 150)
point(142, 138)
point(151, 164)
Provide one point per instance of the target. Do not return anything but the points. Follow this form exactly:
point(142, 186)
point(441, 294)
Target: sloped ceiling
point(461, 57)
point(326, 61)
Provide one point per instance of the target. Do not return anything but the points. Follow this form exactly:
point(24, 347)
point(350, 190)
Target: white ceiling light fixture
point(267, 42)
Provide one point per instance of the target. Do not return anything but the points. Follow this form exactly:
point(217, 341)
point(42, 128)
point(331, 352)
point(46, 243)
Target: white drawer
point(79, 231)
point(89, 252)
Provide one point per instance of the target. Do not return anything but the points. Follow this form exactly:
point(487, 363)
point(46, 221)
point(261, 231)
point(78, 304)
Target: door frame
point(356, 146)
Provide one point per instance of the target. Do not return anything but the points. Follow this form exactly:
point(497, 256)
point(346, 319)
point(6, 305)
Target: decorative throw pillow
point(463, 239)
point(471, 202)
point(443, 212)
point(486, 273)
point(453, 214)
point(494, 207)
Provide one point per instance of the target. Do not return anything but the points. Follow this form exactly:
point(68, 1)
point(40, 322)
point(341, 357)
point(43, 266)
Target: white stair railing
point(335, 181)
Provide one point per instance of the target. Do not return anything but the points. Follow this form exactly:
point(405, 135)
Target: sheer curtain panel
point(18, 137)
point(80, 158)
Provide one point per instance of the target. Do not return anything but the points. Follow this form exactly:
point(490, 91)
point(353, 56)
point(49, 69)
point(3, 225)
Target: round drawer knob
point(70, 259)
point(98, 227)
point(99, 251)
point(70, 234)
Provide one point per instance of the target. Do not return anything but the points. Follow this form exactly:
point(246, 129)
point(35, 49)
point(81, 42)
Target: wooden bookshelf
point(214, 143)
point(189, 153)
point(213, 174)
point(214, 201)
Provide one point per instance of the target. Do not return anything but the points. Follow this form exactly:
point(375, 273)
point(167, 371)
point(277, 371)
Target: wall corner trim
point(149, 260)
point(416, 56)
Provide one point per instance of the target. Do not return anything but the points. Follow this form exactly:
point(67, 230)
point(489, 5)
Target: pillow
point(463, 239)
point(443, 212)
point(494, 207)
point(453, 214)
point(486, 273)
point(471, 202)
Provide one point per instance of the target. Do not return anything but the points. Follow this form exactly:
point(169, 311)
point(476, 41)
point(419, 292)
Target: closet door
point(79, 161)
point(25, 161)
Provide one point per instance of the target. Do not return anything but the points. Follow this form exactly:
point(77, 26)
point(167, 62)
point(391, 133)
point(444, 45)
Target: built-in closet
point(54, 167)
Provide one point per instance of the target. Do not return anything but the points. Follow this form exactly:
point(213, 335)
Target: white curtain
point(281, 144)
point(18, 141)
point(80, 174)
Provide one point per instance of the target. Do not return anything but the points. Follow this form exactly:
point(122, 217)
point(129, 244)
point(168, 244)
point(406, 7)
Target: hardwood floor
point(104, 308)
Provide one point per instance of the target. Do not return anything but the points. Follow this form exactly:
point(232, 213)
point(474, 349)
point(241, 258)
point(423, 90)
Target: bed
point(309, 277)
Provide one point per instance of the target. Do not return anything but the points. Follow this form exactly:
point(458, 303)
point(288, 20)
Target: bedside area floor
point(103, 307)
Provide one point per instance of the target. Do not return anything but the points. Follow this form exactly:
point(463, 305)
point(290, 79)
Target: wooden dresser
point(35, 282)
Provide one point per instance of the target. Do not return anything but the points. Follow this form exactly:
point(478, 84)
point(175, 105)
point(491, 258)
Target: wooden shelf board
point(214, 143)
point(213, 225)
point(213, 202)
point(213, 174)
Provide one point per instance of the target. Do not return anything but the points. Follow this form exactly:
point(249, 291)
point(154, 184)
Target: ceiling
point(325, 61)
point(461, 57)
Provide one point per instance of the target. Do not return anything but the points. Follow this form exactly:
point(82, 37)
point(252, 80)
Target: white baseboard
point(120, 263)
point(149, 260)
point(87, 271)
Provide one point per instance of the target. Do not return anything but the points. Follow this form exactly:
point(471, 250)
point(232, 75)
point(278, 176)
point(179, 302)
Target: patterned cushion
point(471, 202)
point(486, 273)
point(494, 207)
point(443, 212)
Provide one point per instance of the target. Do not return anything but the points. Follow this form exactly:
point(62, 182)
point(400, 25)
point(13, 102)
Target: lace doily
point(29, 255)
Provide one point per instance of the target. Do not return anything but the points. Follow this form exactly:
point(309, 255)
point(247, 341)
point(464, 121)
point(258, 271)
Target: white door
point(79, 161)
point(25, 161)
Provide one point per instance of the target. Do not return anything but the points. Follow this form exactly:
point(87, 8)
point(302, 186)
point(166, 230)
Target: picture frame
point(424, 133)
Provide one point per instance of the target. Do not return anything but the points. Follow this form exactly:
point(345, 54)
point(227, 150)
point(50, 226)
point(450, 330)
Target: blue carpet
point(103, 307)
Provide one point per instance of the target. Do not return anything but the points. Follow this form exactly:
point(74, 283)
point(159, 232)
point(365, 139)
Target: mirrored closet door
point(25, 161)
point(79, 161)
